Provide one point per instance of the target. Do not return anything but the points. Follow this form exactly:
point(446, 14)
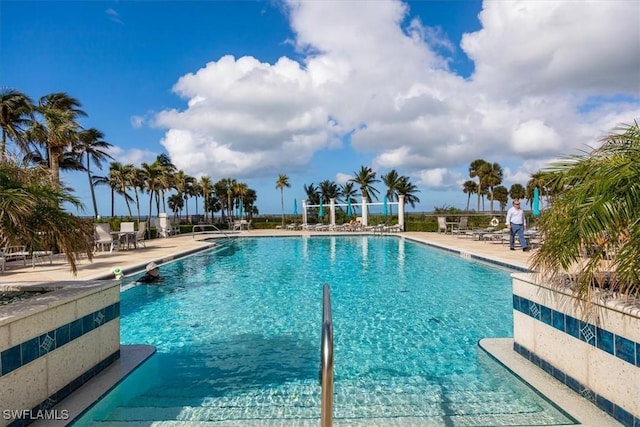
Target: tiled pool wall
point(600, 360)
point(52, 344)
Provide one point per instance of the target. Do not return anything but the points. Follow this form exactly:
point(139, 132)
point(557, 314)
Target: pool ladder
point(326, 361)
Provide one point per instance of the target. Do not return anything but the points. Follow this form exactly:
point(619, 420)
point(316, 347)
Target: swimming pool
point(237, 330)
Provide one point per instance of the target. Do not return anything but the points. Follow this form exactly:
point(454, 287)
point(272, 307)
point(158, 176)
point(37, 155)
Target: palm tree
point(469, 187)
point(407, 189)
point(207, 187)
point(313, 193)
point(349, 193)
point(598, 208)
point(477, 170)
point(328, 190)
point(59, 112)
point(281, 183)
point(151, 175)
point(365, 178)
point(501, 194)
point(517, 192)
point(16, 111)
point(181, 182)
point(119, 179)
point(391, 180)
point(492, 178)
point(91, 145)
point(31, 212)
point(165, 179)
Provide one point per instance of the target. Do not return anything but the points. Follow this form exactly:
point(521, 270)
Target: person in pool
point(152, 275)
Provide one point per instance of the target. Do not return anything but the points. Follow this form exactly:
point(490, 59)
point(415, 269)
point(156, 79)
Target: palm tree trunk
point(93, 193)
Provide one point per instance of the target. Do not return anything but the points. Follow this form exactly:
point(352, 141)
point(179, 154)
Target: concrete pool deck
point(163, 250)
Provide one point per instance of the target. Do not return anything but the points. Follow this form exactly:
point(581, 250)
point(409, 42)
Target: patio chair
point(2, 261)
point(462, 227)
point(103, 237)
point(442, 224)
point(140, 234)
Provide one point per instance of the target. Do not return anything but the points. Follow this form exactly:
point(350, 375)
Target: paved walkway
point(161, 250)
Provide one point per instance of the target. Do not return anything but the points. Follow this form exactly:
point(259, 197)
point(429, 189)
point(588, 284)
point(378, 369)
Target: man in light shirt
point(516, 223)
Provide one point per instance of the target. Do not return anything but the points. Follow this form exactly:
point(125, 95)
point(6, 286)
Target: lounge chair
point(442, 224)
point(140, 234)
point(103, 237)
point(2, 261)
point(16, 253)
point(462, 227)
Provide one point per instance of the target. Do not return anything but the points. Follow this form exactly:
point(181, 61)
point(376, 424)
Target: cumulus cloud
point(550, 77)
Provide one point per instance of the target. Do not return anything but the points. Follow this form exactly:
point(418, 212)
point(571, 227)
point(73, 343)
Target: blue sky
point(317, 89)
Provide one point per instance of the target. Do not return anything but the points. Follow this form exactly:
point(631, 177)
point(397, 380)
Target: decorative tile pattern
point(616, 345)
point(28, 351)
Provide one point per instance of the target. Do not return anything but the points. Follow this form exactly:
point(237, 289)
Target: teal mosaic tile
point(30, 350)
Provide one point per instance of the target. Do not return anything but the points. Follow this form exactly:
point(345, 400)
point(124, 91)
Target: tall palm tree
point(313, 193)
point(597, 208)
point(365, 178)
point(207, 188)
point(16, 110)
point(151, 174)
point(492, 178)
point(391, 180)
point(281, 183)
point(517, 192)
point(181, 182)
point(407, 189)
point(477, 170)
point(329, 190)
point(469, 187)
point(349, 193)
point(119, 179)
point(91, 144)
point(165, 179)
point(60, 113)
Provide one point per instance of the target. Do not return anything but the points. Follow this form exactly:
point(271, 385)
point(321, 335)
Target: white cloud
point(551, 77)
point(113, 16)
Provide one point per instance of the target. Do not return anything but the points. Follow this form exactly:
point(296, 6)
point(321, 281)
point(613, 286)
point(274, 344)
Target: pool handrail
point(201, 226)
point(326, 361)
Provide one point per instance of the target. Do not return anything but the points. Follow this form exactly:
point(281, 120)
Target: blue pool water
point(237, 331)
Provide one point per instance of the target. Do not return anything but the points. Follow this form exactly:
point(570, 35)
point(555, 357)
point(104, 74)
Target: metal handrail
point(200, 226)
point(326, 361)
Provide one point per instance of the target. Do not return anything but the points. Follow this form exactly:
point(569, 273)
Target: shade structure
point(536, 202)
point(320, 210)
point(295, 206)
point(385, 207)
point(349, 209)
point(240, 210)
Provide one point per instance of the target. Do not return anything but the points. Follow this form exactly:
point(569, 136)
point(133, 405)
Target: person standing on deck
point(516, 223)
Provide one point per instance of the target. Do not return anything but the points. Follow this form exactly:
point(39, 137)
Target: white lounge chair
point(103, 237)
point(442, 224)
point(140, 234)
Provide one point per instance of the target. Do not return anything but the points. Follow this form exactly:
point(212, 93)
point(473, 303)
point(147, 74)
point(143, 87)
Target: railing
point(326, 361)
point(202, 226)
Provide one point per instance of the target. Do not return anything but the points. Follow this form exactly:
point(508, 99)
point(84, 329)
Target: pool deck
point(164, 250)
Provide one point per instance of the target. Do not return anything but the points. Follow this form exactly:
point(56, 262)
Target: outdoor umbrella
point(320, 210)
point(348, 206)
point(385, 209)
point(536, 202)
point(295, 206)
point(240, 208)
